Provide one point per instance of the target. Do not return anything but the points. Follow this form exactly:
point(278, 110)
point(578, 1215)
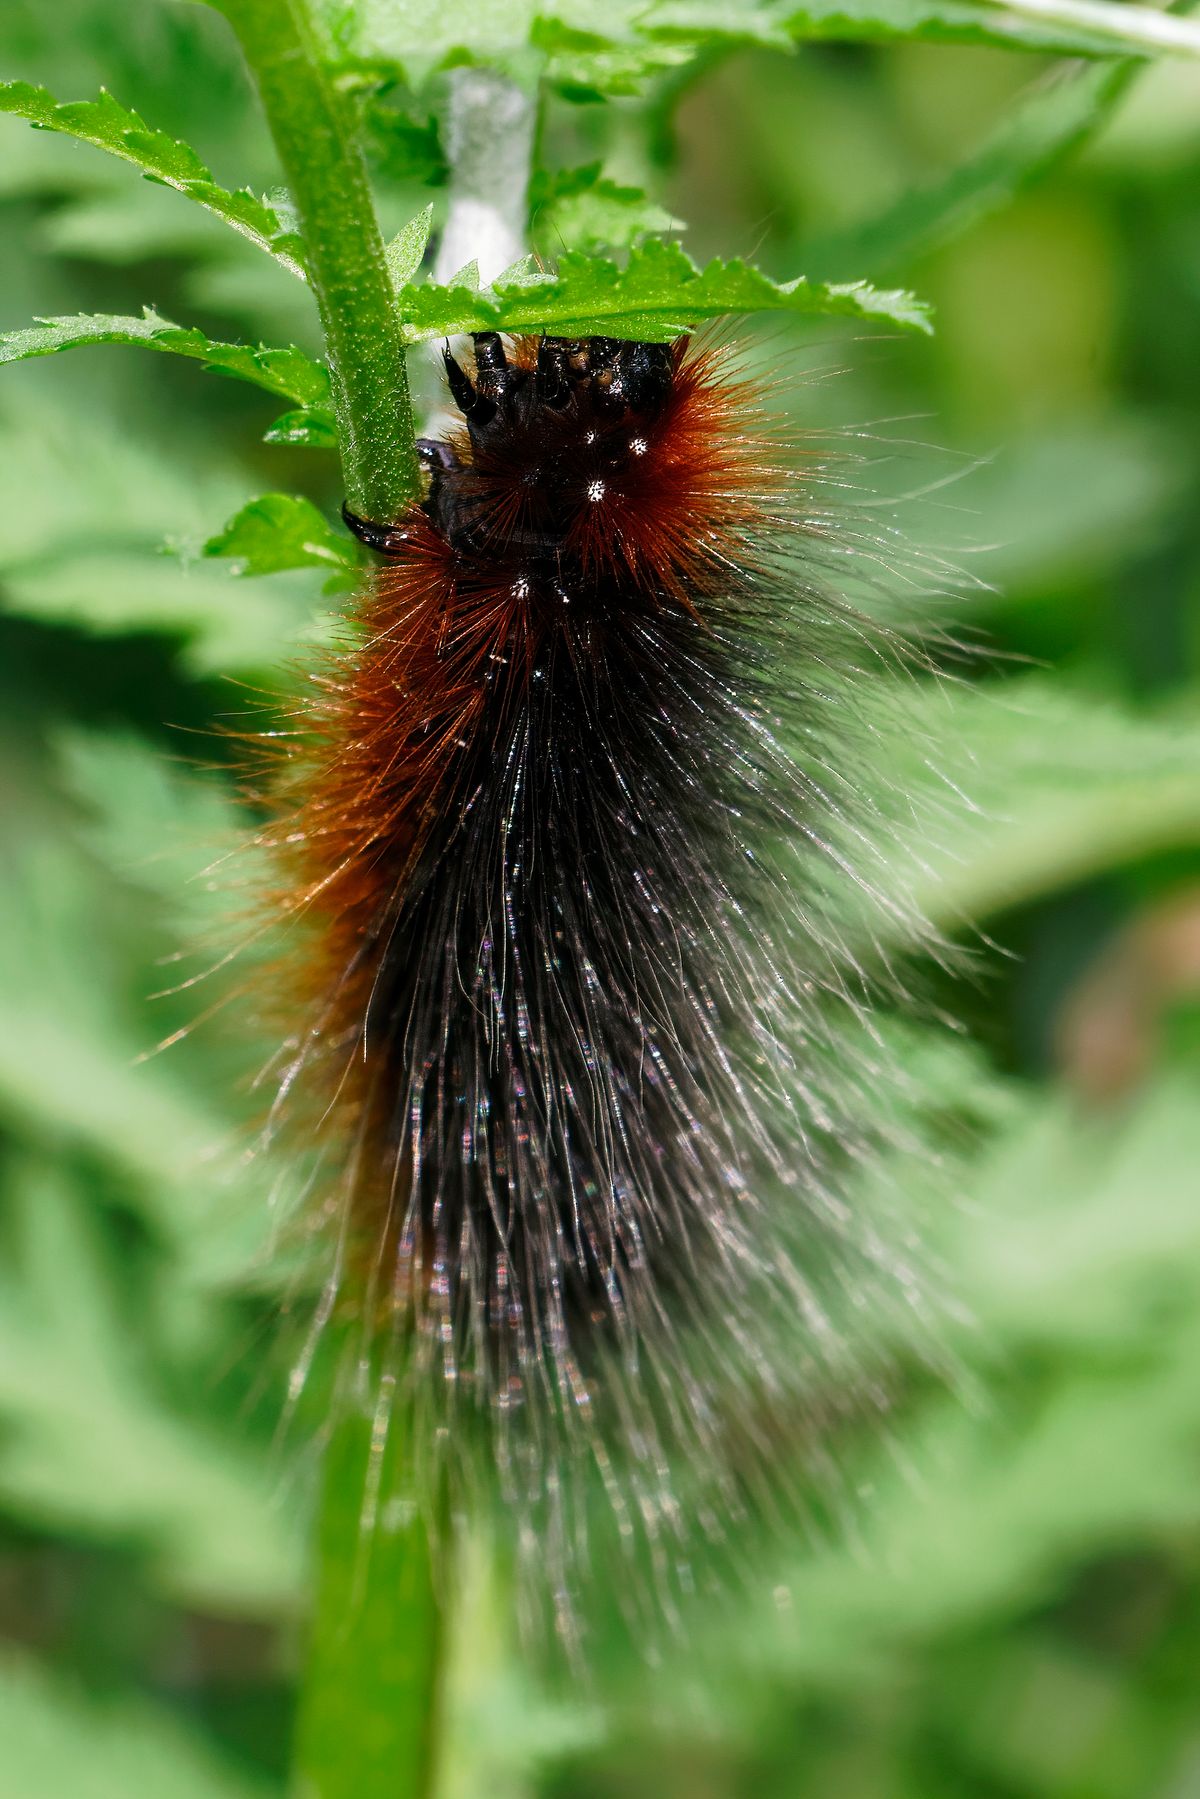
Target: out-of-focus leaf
point(1048, 125)
point(108, 125)
point(59, 1742)
point(280, 531)
point(1082, 1235)
point(405, 147)
point(280, 371)
point(76, 1061)
point(944, 22)
point(132, 222)
point(88, 1447)
point(593, 51)
point(1079, 1247)
point(81, 534)
point(587, 49)
point(1058, 788)
point(658, 294)
point(115, 592)
point(581, 209)
point(590, 65)
point(1076, 502)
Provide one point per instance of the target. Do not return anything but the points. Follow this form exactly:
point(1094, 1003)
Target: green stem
point(313, 129)
point(369, 1709)
point(366, 1728)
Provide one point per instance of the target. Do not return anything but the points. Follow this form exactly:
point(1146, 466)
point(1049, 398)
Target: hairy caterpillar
point(590, 1039)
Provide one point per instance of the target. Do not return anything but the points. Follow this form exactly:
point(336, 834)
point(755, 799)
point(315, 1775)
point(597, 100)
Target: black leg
point(389, 540)
point(474, 406)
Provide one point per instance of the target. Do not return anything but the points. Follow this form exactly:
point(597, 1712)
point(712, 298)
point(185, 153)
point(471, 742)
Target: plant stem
point(326, 176)
point(366, 1728)
point(488, 127)
point(368, 1713)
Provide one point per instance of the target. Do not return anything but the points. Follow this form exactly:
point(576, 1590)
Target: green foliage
point(1052, 122)
point(596, 50)
point(304, 428)
point(59, 1740)
point(286, 372)
point(583, 208)
point(85, 555)
point(658, 293)
point(945, 22)
point(403, 147)
point(1062, 787)
point(280, 531)
point(586, 50)
point(112, 127)
point(997, 1595)
point(406, 250)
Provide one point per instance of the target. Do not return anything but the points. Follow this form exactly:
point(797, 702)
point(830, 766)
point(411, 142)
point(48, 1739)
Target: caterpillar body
point(578, 1004)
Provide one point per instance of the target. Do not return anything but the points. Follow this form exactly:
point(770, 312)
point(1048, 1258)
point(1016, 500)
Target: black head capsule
point(546, 429)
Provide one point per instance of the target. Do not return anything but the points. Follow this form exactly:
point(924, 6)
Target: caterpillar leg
point(389, 540)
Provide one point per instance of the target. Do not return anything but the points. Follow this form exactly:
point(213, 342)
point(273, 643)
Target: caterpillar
point(589, 1037)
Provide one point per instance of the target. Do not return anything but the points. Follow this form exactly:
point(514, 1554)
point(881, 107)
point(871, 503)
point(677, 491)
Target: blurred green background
point(1006, 1605)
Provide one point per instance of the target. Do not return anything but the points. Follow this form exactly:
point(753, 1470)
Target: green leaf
point(657, 295)
point(943, 22)
point(1073, 506)
point(467, 277)
point(593, 50)
point(707, 24)
point(307, 428)
point(1051, 122)
point(1142, 30)
point(590, 66)
point(86, 514)
point(585, 48)
point(1059, 787)
point(284, 371)
point(108, 125)
point(88, 1443)
point(581, 209)
point(406, 251)
point(75, 1071)
point(1073, 1229)
point(600, 49)
point(59, 1740)
point(280, 531)
point(405, 148)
